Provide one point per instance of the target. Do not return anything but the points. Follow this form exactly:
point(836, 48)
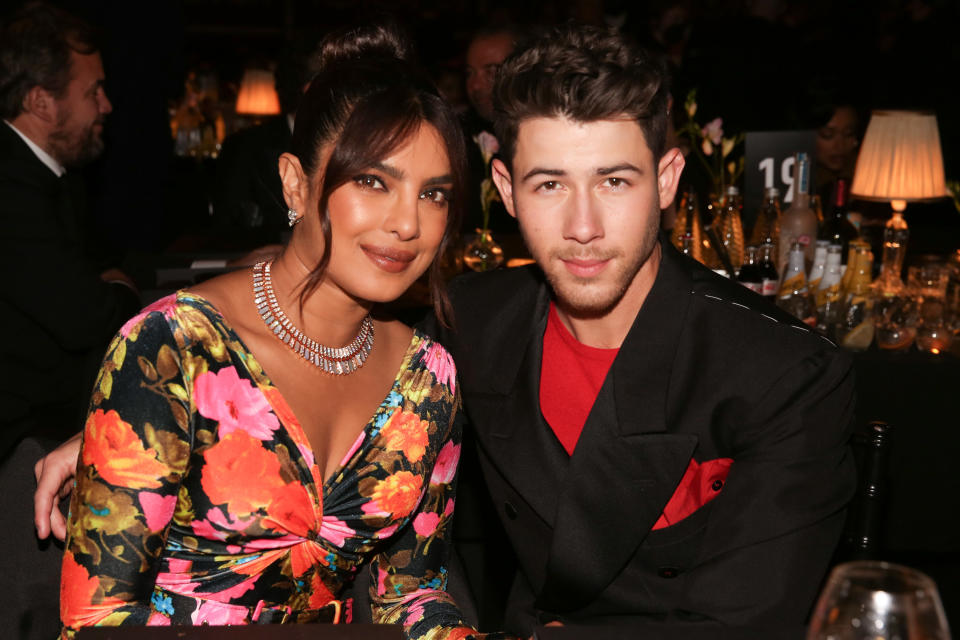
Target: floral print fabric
point(198, 500)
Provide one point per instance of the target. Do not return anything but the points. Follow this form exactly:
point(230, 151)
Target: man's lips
point(389, 258)
point(584, 267)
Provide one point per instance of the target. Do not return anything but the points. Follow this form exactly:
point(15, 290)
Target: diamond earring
point(292, 217)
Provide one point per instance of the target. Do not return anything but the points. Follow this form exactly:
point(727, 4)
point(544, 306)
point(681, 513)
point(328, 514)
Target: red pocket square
point(701, 483)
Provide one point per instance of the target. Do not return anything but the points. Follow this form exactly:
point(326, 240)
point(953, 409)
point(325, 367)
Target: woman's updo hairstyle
point(366, 100)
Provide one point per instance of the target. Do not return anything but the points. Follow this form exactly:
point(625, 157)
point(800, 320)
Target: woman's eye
point(369, 182)
point(436, 196)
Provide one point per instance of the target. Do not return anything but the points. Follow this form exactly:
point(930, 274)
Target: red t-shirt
point(571, 375)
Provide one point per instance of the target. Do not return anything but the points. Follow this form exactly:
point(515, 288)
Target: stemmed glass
point(879, 601)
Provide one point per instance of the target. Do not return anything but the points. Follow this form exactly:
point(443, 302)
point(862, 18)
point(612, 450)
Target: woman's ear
point(294, 182)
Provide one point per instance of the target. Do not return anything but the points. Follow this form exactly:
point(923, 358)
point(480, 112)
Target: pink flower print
point(165, 305)
point(227, 595)
point(335, 530)
point(235, 404)
point(157, 509)
point(445, 467)
point(213, 527)
point(425, 524)
point(440, 364)
point(713, 130)
point(157, 619)
point(414, 614)
point(448, 509)
point(353, 448)
point(217, 614)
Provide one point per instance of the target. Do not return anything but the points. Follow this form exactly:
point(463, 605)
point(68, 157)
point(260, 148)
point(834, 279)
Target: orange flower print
point(110, 445)
point(396, 495)
point(239, 472)
point(291, 510)
point(406, 432)
point(78, 589)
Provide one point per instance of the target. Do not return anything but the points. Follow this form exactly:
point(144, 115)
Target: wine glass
point(879, 601)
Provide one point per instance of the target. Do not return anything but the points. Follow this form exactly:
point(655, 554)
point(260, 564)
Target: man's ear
point(501, 178)
point(41, 104)
point(668, 175)
point(293, 181)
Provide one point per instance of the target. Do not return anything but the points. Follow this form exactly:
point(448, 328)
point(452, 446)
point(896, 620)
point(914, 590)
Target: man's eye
point(549, 185)
point(617, 183)
point(440, 197)
point(369, 182)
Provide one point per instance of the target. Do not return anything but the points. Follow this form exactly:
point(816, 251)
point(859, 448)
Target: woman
point(231, 472)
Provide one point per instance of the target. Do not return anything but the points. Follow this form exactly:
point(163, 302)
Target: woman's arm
point(136, 446)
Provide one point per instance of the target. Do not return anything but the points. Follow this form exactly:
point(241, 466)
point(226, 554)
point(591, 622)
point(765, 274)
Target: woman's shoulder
point(173, 313)
point(429, 356)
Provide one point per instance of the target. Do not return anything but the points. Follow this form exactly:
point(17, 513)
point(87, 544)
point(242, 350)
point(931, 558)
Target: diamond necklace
point(339, 362)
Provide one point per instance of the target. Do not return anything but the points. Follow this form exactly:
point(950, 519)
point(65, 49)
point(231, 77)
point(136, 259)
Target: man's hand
point(54, 474)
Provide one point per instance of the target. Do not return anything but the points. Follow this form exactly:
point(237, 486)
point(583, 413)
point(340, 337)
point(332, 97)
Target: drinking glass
point(879, 601)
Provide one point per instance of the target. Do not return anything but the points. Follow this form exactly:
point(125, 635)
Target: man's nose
point(582, 220)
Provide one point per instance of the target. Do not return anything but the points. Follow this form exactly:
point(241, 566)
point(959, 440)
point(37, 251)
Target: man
point(58, 310)
point(662, 446)
point(487, 50)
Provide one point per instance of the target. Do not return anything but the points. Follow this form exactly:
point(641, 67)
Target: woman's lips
point(389, 259)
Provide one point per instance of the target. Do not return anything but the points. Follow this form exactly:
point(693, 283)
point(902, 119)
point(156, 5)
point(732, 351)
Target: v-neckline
point(284, 412)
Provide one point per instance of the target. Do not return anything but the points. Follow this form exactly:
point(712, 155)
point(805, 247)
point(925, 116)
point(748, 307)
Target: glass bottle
point(794, 297)
point(819, 265)
point(687, 233)
point(708, 255)
point(731, 226)
point(769, 277)
point(766, 228)
point(827, 296)
point(799, 223)
point(837, 229)
point(895, 236)
point(856, 327)
point(749, 274)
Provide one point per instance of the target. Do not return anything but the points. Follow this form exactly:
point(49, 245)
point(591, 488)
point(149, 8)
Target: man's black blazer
point(57, 314)
point(709, 370)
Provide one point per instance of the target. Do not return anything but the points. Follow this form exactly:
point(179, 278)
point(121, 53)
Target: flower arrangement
point(489, 146)
point(715, 151)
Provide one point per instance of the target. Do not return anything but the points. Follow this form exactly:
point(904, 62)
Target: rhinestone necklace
point(339, 362)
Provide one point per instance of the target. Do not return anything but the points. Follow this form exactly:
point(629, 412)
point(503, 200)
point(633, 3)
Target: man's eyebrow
point(624, 166)
point(542, 171)
point(393, 172)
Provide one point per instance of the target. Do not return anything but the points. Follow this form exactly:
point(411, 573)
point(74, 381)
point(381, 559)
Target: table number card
point(768, 162)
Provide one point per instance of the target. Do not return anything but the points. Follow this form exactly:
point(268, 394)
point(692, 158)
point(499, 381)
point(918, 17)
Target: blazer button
point(510, 510)
point(717, 485)
point(668, 572)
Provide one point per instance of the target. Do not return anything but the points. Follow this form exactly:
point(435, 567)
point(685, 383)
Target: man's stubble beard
point(73, 150)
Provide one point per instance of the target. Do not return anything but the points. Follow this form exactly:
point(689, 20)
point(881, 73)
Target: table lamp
point(258, 94)
point(900, 161)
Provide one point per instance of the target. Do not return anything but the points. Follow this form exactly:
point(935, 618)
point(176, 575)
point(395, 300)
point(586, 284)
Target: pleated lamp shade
point(900, 159)
point(258, 94)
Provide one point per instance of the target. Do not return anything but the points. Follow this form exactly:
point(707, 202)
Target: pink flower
point(445, 466)
point(440, 364)
point(157, 619)
point(448, 509)
point(488, 144)
point(235, 404)
point(206, 529)
point(714, 130)
point(165, 305)
point(335, 530)
point(216, 614)
point(414, 614)
point(353, 448)
point(157, 509)
point(425, 524)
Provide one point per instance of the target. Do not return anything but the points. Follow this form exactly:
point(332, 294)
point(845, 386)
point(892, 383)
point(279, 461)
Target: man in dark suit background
point(664, 449)
point(58, 307)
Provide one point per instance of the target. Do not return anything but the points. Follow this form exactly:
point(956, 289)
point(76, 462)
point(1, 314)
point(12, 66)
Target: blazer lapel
point(626, 464)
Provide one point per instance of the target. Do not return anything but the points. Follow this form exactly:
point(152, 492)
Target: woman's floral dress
point(198, 500)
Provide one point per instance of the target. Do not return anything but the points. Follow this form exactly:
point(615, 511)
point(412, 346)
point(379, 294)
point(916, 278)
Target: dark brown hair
point(366, 100)
point(584, 73)
point(35, 47)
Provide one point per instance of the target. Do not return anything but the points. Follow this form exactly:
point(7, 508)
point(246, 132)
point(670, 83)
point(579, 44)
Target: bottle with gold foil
point(687, 234)
point(731, 226)
point(794, 296)
point(856, 326)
